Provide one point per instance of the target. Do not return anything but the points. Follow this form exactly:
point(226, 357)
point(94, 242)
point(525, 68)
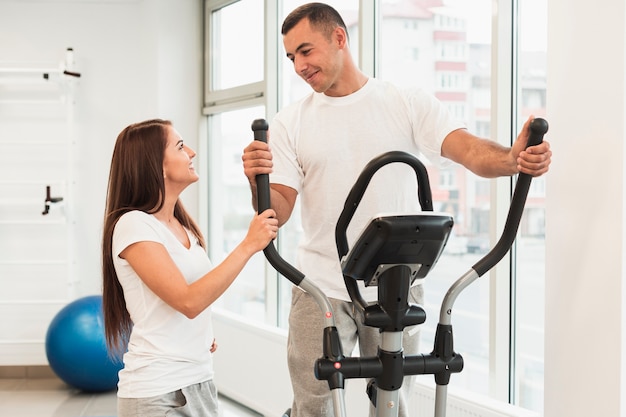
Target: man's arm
point(282, 199)
point(489, 159)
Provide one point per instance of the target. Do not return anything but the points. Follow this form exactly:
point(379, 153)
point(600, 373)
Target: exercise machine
point(391, 253)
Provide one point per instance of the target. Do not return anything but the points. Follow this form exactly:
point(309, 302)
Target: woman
point(157, 280)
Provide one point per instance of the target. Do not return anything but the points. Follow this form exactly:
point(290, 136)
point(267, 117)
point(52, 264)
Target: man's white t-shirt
point(167, 351)
point(321, 144)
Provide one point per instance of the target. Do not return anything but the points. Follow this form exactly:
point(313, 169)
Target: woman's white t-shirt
point(167, 351)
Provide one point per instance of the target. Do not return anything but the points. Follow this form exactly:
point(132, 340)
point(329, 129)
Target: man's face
point(315, 57)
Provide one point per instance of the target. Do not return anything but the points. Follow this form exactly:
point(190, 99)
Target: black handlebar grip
point(538, 127)
point(259, 127)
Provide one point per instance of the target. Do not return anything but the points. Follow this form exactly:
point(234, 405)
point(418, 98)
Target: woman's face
point(178, 167)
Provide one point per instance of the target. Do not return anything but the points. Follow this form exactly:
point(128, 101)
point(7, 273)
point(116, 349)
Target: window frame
point(503, 126)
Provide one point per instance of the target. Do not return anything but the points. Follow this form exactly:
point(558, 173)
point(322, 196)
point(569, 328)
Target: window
point(233, 99)
point(445, 47)
point(447, 179)
point(236, 95)
point(450, 81)
point(231, 210)
point(226, 69)
point(227, 79)
point(452, 51)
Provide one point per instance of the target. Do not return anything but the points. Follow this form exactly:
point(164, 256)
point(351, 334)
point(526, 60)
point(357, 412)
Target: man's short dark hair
point(321, 16)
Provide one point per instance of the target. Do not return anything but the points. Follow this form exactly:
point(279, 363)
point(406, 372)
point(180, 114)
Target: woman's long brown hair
point(135, 183)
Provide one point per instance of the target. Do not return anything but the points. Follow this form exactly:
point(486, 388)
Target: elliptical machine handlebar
point(259, 127)
point(538, 128)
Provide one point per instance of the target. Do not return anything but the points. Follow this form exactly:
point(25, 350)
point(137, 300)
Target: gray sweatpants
point(312, 398)
point(198, 400)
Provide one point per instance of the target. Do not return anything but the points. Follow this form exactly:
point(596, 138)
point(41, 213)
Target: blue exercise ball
point(76, 347)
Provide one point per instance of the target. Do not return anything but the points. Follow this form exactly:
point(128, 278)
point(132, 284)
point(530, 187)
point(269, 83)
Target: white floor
point(50, 397)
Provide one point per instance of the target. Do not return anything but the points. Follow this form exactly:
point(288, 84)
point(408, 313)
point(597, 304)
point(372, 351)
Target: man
point(318, 147)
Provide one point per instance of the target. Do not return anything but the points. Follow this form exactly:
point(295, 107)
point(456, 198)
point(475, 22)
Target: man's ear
point(341, 37)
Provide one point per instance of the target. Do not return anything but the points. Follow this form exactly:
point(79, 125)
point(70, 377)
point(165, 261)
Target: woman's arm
point(157, 270)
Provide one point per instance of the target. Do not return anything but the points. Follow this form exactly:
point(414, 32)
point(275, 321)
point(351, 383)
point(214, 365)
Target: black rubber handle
point(538, 128)
point(259, 127)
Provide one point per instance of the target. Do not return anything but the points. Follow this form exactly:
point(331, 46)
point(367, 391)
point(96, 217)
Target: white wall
point(138, 59)
point(585, 326)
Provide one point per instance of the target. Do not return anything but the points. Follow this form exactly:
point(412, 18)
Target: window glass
point(231, 209)
point(441, 46)
point(530, 250)
point(446, 50)
point(229, 131)
point(226, 67)
point(259, 294)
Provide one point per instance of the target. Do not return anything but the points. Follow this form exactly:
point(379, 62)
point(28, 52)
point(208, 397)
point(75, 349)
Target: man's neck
point(349, 84)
